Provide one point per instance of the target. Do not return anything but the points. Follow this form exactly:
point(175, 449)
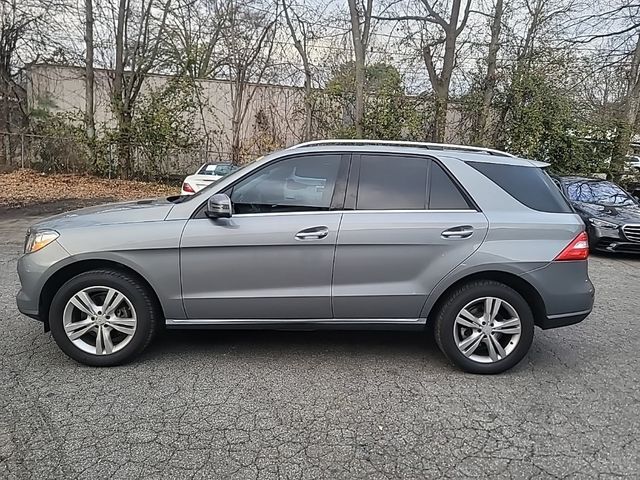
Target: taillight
point(578, 249)
point(188, 188)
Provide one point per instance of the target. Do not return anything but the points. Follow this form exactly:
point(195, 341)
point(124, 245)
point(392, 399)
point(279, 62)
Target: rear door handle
point(312, 233)
point(463, 231)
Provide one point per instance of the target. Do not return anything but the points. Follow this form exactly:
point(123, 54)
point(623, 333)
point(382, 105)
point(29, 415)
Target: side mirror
point(218, 206)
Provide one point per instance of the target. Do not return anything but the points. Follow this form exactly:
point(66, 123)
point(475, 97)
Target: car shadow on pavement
point(277, 342)
point(396, 348)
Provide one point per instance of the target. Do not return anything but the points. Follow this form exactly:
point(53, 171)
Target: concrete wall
point(274, 115)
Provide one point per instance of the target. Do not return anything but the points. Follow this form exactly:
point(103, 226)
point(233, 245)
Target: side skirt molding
point(302, 324)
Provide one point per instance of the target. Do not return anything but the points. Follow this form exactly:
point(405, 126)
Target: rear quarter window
point(531, 186)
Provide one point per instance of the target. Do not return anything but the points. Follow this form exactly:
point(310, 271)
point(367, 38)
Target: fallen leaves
point(24, 187)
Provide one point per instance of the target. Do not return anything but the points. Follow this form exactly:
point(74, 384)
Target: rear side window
point(443, 192)
point(390, 182)
point(531, 186)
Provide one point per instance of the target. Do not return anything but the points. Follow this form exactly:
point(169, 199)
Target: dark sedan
point(611, 214)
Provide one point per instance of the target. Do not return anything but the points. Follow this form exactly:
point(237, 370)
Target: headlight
point(596, 222)
point(38, 240)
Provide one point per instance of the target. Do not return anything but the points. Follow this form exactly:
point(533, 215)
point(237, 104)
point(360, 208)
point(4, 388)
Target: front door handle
point(463, 231)
point(312, 233)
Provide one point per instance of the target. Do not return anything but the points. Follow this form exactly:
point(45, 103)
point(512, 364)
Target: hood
point(110, 213)
point(617, 214)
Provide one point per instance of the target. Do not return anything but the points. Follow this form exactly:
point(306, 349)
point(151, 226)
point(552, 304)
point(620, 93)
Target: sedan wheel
point(99, 320)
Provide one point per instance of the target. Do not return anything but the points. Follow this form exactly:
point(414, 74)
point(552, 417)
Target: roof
point(465, 153)
point(402, 143)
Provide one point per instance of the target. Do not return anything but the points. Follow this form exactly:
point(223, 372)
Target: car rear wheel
point(103, 317)
point(484, 327)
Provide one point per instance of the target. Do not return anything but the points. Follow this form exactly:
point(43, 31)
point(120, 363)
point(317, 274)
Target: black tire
point(147, 313)
point(456, 301)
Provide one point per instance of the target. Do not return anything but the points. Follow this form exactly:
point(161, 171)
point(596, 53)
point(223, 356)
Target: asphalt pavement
point(336, 405)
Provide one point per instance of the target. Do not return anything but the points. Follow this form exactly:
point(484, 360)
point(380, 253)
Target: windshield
point(216, 169)
point(601, 192)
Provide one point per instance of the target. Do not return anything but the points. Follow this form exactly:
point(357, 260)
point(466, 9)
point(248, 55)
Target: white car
point(633, 163)
point(206, 174)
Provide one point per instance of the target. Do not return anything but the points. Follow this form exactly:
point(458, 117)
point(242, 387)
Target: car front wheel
point(484, 327)
point(103, 317)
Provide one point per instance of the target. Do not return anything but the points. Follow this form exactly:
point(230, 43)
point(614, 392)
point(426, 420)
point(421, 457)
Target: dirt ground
point(27, 192)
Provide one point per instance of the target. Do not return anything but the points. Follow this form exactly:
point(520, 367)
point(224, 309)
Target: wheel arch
point(62, 275)
point(520, 285)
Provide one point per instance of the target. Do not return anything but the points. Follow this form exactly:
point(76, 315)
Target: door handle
point(312, 233)
point(463, 231)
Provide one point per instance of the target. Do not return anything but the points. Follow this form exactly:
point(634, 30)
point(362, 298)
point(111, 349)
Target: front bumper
point(33, 270)
point(611, 240)
point(27, 306)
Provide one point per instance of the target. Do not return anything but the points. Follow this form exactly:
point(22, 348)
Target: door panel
point(254, 267)
point(387, 262)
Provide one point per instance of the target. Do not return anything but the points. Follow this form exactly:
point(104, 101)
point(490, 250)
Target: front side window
point(390, 182)
point(601, 192)
point(304, 183)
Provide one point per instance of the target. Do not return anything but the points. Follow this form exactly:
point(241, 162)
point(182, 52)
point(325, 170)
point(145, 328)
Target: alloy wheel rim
point(99, 320)
point(487, 329)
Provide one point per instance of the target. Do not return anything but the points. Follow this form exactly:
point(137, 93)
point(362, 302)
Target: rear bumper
point(564, 320)
point(566, 291)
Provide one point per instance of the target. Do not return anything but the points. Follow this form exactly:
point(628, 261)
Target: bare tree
point(629, 115)
point(22, 36)
point(618, 27)
point(451, 29)
point(489, 84)
point(249, 40)
point(300, 42)
point(360, 16)
point(193, 44)
point(438, 49)
point(138, 38)
point(90, 125)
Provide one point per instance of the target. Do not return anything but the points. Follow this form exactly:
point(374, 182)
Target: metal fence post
point(22, 150)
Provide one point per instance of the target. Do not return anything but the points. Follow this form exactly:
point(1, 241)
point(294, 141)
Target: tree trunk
point(124, 152)
point(90, 127)
point(480, 133)
point(124, 144)
point(236, 116)
point(6, 124)
point(440, 114)
point(308, 107)
point(359, 52)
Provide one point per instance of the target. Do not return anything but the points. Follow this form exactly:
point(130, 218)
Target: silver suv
point(330, 234)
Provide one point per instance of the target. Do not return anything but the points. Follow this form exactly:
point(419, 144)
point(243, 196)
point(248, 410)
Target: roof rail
point(427, 145)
